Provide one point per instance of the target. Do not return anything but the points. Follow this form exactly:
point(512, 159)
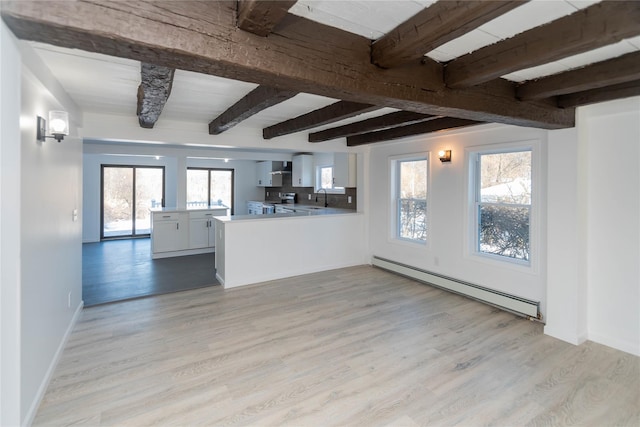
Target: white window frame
point(394, 212)
point(471, 234)
point(332, 189)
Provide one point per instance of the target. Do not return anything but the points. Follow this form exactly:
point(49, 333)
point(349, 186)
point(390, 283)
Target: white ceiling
point(108, 85)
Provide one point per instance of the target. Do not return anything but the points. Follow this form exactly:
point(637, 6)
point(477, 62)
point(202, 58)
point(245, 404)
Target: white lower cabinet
point(179, 233)
point(169, 232)
point(202, 230)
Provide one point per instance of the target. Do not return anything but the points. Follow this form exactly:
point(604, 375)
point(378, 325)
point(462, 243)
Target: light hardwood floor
point(356, 346)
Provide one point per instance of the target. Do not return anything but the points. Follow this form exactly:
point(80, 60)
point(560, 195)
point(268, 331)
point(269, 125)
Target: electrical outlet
point(69, 300)
point(267, 194)
point(309, 196)
point(74, 215)
point(349, 199)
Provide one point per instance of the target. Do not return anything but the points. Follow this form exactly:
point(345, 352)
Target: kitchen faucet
point(325, 196)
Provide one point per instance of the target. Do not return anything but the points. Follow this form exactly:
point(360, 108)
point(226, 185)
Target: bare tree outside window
point(206, 186)
point(326, 177)
point(412, 199)
point(504, 204)
point(128, 192)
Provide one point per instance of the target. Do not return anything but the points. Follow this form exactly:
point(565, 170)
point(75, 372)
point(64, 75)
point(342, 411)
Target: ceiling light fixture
point(58, 126)
point(445, 156)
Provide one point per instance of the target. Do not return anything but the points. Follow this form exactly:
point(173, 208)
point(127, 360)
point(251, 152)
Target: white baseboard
point(618, 344)
point(159, 255)
point(300, 271)
point(33, 409)
point(571, 338)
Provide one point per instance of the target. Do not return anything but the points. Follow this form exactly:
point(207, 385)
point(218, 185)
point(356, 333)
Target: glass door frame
point(233, 183)
point(133, 234)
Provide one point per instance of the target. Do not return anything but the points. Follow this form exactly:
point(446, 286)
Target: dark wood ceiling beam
point(434, 26)
point(153, 92)
point(622, 69)
point(255, 101)
point(300, 55)
point(323, 116)
point(595, 26)
point(443, 123)
point(609, 93)
point(260, 17)
point(388, 121)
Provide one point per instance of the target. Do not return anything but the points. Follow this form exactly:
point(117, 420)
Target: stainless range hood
point(284, 170)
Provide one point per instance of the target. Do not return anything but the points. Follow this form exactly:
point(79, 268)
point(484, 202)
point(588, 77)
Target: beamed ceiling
point(366, 71)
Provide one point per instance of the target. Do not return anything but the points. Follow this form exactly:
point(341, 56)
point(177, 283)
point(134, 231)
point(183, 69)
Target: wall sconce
point(445, 156)
point(58, 126)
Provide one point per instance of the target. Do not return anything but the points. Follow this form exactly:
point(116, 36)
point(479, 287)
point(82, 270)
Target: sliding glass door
point(127, 194)
point(209, 186)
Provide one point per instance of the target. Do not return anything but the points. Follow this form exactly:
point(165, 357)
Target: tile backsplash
point(303, 193)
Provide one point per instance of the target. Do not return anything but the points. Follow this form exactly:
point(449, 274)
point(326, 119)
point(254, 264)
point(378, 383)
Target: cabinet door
point(198, 233)
point(344, 170)
point(263, 169)
point(302, 172)
point(167, 236)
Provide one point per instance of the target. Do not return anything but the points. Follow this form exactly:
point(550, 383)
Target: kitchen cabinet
point(169, 232)
point(302, 172)
point(177, 232)
point(202, 230)
point(344, 170)
point(265, 178)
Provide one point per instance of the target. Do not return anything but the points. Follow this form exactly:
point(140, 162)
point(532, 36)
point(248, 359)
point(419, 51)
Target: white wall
point(245, 136)
point(48, 177)
point(447, 250)
point(175, 160)
point(10, 69)
point(594, 227)
point(566, 250)
point(613, 222)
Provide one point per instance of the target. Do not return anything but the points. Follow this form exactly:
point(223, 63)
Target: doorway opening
point(127, 194)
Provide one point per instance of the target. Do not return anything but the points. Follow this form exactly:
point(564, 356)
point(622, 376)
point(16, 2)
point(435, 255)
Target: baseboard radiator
point(520, 306)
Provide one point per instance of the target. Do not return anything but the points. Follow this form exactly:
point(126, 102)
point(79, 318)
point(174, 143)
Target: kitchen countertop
point(302, 213)
point(189, 209)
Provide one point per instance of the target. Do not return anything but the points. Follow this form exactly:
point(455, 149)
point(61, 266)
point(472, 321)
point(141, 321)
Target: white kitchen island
point(179, 232)
point(252, 249)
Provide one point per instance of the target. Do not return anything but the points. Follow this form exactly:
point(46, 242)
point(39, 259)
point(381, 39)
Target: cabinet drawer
point(166, 216)
point(203, 214)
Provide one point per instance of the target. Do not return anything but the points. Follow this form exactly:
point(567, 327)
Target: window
point(503, 204)
point(326, 180)
point(326, 177)
point(207, 187)
point(411, 199)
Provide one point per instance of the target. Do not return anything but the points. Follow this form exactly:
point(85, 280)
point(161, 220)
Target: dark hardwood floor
point(117, 270)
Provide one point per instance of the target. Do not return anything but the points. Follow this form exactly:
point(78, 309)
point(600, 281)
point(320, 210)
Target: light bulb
point(59, 122)
point(57, 125)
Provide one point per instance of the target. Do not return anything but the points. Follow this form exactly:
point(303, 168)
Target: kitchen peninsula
point(252, 249)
